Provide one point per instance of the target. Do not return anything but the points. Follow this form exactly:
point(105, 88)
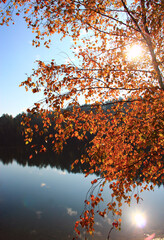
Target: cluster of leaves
point(125, 144)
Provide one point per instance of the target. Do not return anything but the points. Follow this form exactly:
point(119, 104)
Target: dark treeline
point(11, 131)
point(13, 147)
point(12, 144)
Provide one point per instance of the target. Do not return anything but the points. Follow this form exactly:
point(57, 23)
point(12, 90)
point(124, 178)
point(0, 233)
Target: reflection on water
point(42, 203)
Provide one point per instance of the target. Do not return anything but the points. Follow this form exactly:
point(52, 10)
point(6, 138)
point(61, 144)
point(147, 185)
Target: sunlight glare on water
point(140, 220)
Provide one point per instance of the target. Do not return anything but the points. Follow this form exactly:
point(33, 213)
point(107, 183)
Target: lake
point(42, 202)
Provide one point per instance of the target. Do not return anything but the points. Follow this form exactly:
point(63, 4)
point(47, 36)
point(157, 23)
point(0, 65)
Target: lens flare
point(150, 237)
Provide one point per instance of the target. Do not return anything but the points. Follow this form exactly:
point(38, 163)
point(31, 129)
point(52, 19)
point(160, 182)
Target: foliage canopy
point(128, 138)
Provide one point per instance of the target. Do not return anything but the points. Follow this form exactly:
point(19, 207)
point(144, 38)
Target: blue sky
point(17, 58)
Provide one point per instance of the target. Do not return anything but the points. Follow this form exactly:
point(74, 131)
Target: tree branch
point(150, 46)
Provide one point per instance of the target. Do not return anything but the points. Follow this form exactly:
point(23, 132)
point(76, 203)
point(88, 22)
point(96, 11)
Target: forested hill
point(12, 146)
point(11, 137)
point(11, 130)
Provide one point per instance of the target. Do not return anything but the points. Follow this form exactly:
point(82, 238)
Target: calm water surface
point(43, 203)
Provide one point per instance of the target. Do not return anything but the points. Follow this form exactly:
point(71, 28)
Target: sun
point(134, 52)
